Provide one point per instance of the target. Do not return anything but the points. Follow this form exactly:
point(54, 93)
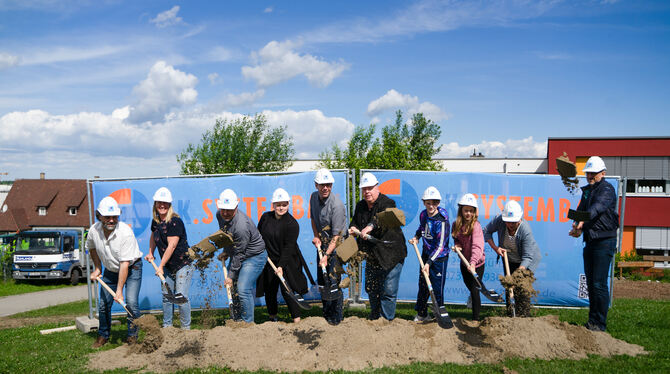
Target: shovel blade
point(488, 293)
point(300, 301)
point(330, 293)
point(441, 315)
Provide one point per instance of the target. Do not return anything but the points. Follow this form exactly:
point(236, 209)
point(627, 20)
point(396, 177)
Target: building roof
point(56, 195)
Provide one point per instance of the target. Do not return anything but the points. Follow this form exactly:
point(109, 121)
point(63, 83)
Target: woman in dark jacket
point(280, 232)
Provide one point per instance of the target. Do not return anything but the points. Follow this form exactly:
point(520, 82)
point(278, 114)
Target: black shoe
point(273, 319)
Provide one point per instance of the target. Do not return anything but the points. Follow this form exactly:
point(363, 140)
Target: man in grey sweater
point(516, 238)
point(247, 253)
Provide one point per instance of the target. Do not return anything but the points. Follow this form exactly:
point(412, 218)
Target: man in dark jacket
point(384, 261)
point(600, 231)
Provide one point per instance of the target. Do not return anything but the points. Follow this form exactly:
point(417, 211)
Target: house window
point(72, 210)
point(42, 211)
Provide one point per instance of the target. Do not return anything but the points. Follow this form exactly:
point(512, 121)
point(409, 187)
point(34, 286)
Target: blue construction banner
point(194, 199)
point(545, 201)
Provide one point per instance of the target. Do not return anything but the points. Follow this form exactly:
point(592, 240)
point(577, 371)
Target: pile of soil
point(357, 344)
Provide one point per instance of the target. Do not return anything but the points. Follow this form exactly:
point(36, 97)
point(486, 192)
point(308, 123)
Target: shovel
point(443, 319)
point(369, 237)
point(490, 294)
point(511, 290)
point(329, 291)
point(298, 299)
point(111, 292)
point(231, 305)
point(169, 296)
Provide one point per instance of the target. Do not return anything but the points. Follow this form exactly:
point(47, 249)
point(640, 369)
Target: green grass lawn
point(12, 287)
point(643, 322)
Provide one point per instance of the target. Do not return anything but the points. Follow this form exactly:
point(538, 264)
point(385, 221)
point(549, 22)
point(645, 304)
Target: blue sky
point(119, 88)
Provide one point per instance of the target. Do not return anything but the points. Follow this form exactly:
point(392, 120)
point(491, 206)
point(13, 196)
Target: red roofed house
point(45, 203)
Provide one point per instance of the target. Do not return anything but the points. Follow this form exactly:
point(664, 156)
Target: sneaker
point(273, 319)
point(426, 318)
point(131, 340)
point(100, 342)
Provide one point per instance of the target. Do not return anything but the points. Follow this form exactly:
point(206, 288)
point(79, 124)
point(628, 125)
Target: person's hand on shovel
point(119, 295)
point(228, 282)
point(95, 275)
point(426, 267)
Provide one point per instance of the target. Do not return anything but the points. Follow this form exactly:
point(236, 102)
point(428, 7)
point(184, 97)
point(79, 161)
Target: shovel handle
point(272, 264)
point(511, 289)
point(111, 292)
point(156, 268)
point(323, 267)
point(425, 275)
point(465, 261)
point(225, 276)
point(358, 233)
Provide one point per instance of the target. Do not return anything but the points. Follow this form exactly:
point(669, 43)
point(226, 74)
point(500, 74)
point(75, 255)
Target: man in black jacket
point(384, 261)
point(600, 231)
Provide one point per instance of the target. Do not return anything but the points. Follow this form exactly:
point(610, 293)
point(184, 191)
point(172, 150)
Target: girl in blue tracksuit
point(434, 232)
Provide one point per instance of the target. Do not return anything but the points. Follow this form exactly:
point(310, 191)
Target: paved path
point(37, 300)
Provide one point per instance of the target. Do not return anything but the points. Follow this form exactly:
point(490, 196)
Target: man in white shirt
point(113, 244)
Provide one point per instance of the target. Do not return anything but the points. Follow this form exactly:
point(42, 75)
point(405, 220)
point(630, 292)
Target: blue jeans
point(598, 255)
point(251, 269)
point(131, 293)
point(183, 281)
point(382, 288)
point(436, 274)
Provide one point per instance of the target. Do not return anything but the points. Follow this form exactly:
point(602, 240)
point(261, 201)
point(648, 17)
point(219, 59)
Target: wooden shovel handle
point(225, 276)
point(418, 255)
point(465, 261)
point(156, 268)
point(511, 289)
point(111, 292)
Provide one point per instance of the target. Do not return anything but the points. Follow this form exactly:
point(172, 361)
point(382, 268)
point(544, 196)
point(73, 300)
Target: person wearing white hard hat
point(515, 238)
point(112, 244)
point(434, 229)
point(280, 232)
point(599, 200)
point(329, 225)
point(168, 234)
point(469, 238)
point(384, 262)
point(247, 253)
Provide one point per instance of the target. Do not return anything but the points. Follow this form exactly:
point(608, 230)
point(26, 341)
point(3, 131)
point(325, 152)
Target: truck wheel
point(75, 274)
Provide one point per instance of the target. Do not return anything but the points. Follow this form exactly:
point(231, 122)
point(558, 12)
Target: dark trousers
point(598, 255)
point(471, 284)
point(332, 309)
point(436, 274)
point(270, 285)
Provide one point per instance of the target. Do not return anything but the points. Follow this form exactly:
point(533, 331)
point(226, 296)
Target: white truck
point(49, 254)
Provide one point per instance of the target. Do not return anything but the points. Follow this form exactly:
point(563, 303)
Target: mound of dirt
point(357, 344)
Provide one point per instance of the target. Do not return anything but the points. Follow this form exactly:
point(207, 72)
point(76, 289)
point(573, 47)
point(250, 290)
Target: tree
point(239, 146)
point(402, 146)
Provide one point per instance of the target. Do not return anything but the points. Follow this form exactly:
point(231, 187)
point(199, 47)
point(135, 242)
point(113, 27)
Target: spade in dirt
point(297, 298)
point(111, 292)
point(489, 293)
point(443, 319)
point(169, 295)
point(510, 300)
point(330, 290)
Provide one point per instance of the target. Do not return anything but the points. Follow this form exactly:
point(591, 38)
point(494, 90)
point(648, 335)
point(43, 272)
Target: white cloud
point(512, 148)
point(219, 54)
point(278, 62)
point(429, 16)
point(245, 98)
point(268, 10)
point(394, 100)
point(58, 54)
point(213, 78)
point(163, 89)
point(312, 131)
point(167, 18)
point(7, 61)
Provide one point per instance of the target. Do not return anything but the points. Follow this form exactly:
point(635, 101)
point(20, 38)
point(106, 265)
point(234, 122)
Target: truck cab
point(48, 254)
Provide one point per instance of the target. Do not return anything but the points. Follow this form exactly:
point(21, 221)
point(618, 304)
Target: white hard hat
point(431, 193)
point(512, 212)
point(280, 194)
point(163, 194)
point(368, 180)
point(109, 207)
point(594, 164)
point(323, 176)
point(469, 200)
point(227, 199)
